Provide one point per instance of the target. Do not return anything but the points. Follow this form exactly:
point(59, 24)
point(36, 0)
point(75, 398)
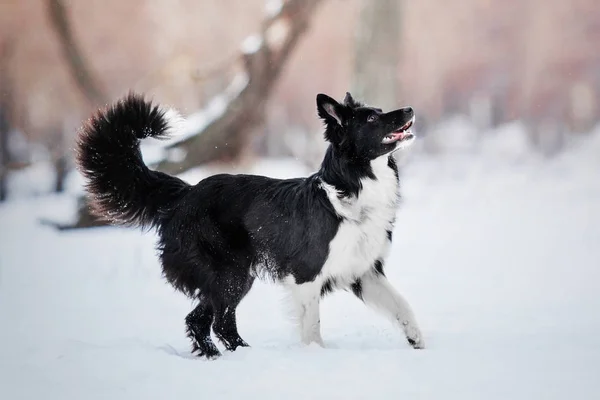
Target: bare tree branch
point(80, 71)
point(225, 137)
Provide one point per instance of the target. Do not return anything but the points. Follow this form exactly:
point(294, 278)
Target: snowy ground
point(499, 255)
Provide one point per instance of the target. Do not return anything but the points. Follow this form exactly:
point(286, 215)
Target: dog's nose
point(408, 110)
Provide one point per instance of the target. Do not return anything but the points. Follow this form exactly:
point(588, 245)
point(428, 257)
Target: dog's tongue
point(398, 135)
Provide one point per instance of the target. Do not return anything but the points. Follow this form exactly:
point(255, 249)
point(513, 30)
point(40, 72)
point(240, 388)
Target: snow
point(34, 180)
point(251, 44)
point(273, 7)
point(197, 122)
point(497, 253)
point(157, 150)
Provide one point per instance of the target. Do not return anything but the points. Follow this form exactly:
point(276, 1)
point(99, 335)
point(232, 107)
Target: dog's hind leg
point(230, 288)
point(198, 324)
point(377, 292)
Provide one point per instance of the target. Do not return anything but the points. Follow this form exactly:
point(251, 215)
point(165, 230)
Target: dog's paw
point(414, 336)
point(416, 343)
point(206, 352)
point(314, 342)
point(318, 344)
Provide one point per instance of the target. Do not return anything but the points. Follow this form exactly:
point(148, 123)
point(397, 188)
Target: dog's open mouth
point(401, 134)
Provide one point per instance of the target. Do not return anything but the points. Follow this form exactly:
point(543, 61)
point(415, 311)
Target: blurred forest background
point(246, 72)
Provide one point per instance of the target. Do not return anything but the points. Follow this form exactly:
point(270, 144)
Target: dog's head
point(362, 132)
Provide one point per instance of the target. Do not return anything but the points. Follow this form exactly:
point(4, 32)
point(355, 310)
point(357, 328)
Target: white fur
point(360, 241)
point(362, 238)
point(377, 292)
point(305, 300)
point(175, 121)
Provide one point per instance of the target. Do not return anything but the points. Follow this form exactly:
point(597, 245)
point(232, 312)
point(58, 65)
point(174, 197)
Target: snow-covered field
point(498, 253)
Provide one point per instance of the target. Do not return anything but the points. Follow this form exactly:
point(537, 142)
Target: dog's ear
point(350, 102)
point(332, 112)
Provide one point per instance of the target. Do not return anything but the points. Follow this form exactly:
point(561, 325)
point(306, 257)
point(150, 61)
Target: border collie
point(331, 230)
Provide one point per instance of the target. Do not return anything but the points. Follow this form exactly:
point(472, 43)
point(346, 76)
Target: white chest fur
point(362, 236)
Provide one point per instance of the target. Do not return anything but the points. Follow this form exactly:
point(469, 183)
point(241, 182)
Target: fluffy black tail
point(121, 188)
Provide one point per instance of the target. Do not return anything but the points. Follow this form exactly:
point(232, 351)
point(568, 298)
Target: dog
point(330, 230)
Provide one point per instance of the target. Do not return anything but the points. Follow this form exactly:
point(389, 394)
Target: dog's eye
point(372, 118)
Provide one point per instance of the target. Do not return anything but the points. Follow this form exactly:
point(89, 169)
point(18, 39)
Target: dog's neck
point(345, 174)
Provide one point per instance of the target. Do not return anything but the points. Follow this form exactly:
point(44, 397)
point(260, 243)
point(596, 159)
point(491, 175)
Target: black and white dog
point(316, 234)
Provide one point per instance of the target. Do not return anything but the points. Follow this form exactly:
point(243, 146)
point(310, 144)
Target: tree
point(87, 85)
point(263, 58)
point(6, 104)
point(78, 66)
point(84, 80)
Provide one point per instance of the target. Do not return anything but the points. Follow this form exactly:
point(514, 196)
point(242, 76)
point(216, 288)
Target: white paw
point(313, 341)
point(413, 335)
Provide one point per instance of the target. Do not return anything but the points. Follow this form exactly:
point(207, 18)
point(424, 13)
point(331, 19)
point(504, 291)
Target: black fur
point(328, 287)
point(215, 234)
point(124, 191)
point(389, 235)
point(356, 288)
point(378, 267)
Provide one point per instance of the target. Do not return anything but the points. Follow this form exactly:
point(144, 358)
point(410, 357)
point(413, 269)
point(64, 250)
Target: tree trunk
point(87, 85)
point(6, 104)
point(79, 68)
point(4, 154)
point(376, 61)
point(60, 160)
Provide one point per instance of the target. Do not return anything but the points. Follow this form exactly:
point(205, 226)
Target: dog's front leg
point(306, 303)
point(377, 292)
